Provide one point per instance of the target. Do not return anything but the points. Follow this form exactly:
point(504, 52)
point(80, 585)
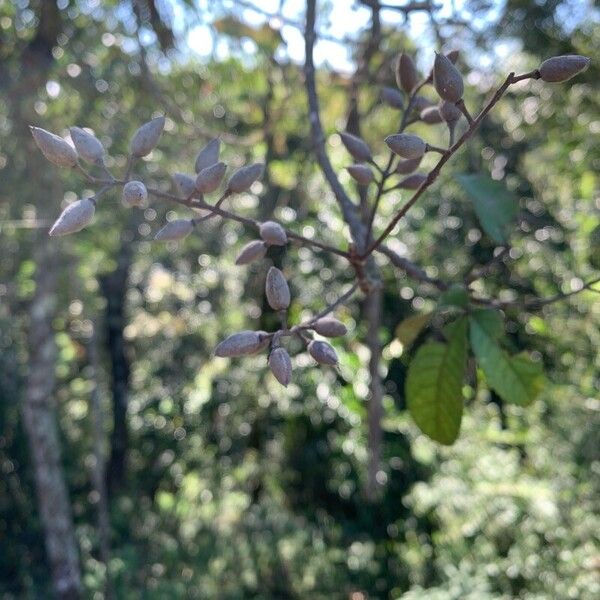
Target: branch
point(433, 174)
point(411, 269)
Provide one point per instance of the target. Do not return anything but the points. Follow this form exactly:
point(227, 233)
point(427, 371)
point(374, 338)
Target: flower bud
point(240, 344)
point(146, 137)
point(322, 352)
point(357, 147)
point(408, 166)
point(280, 364)
point(208, 156)
point(277, 290)
point(450, 112)
point(446, 79)
point(54, 148)
point(88, 146)
point(273, 233)
point(406, 145)
point(209, 179)
point(392, 97)
point(421, 103)
point(186, 185)
point(74, 218)
point(174, 230)
point(431, 115)
point(244, 177)
point(407, 77)
point(252, 251)
point(134, 194)
point(412, 182)
point(329, 327)
point(562, 68)
point(361, 173)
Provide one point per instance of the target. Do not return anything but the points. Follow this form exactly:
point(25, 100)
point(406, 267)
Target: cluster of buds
point(278, 296)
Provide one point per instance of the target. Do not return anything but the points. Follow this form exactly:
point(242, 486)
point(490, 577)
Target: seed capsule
point(431, 115)
point(408, 166)
point(280, 364)
point(210, 178)
point(146, 137)
point(54, 148)
point(361, 173)
point(185, 184)
point(208, 156)
point(273, 233)
point(453, 56)
point(412, 182)
point(252, 251)
point(240, 344)
point(74, 218)
point(392, 98)
point(329, 327)
point(174, 230)
point(134, 194)
point(357, 147)
point(446, 79)
point(407, 77)
point(406, 145)
point(562, 68)
point(88, 146)
point(449, 111)
point(243, 178)
point(277, 290)
point(322, 352)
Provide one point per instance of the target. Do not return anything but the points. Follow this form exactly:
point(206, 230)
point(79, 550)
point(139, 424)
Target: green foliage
point(495, 206)
point(434, 384)
point(516, 379)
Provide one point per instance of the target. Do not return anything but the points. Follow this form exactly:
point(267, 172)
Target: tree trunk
point(42, 432)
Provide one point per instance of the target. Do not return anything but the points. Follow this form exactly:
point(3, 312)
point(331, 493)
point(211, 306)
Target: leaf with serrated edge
point(434, 384)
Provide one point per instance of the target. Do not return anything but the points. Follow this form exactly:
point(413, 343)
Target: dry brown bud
point(431, 115)
point(406, 145)
point(392, 97)
point(252, 251)
point(208, 156)
point(174, 230)
point(447, 80)
point(408, 166)
point(361, 173)
point(357, 147)
point(241, 344)
point(280, 364)
point(146, 137)
point(74, 218)
point(88, 146)
point(185, 184)
point(244, 177)
point(449, 111)
point(329, 327)
point(412, 182)
point(562, 68)
point(134, 194)
point(277, 290)
point(54, 148)
point(210, 178)
point(273, 233)
point(322, 352)
point(407, 77)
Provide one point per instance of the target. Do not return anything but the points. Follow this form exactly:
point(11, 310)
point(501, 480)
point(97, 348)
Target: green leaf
point(455, 295)
point(495, 206)
point(516, 379)
point(434, 384)
point(409, 329)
